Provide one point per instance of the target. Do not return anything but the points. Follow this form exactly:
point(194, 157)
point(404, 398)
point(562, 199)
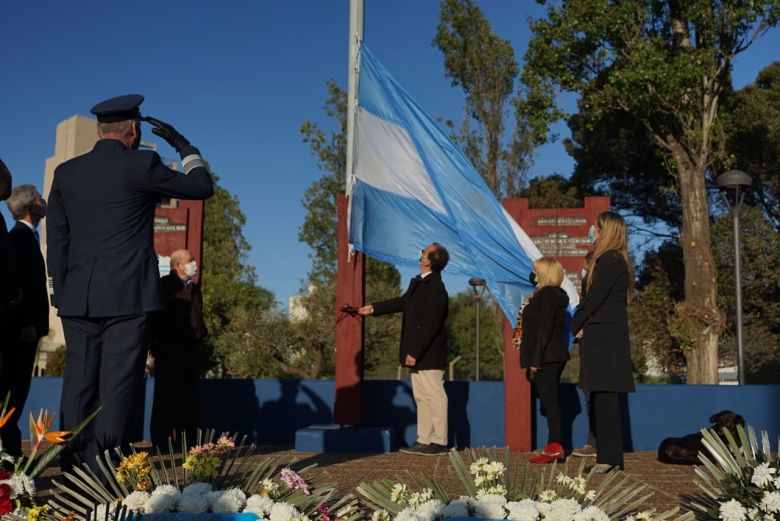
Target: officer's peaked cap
point(120, 108)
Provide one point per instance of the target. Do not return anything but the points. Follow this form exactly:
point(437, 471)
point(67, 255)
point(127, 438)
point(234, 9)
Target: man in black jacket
point(29, 320)
point(178, 332)
point(104, 269)
point(425, 306)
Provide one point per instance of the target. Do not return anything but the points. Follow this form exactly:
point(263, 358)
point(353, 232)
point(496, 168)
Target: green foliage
point(461, 334)
point(229, 283)
point(484, 65)
point(552, 191)
point(760, 257)
point(752, 124)
point(55, 362)
point(330, 148)
point(662, 68)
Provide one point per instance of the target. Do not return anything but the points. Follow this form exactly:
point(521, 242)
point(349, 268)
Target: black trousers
point(608, 431)
point(18, 359)
point(547, 379)
point(175, 405)
point(104, 367)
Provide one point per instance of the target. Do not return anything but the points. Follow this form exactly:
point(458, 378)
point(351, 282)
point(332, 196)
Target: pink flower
point(324, 514)
point(294, 480)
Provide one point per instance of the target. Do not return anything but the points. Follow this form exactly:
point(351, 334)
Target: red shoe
point(551, 452)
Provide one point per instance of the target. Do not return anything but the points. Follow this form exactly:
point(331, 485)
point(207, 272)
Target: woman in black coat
point(544, 347)
point(601, 322)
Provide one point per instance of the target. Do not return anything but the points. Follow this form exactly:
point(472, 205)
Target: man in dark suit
point(425, 306)
point(104, 269)
point(9, 292)
point(178, 332)
point(10, 295)
point(29, 320)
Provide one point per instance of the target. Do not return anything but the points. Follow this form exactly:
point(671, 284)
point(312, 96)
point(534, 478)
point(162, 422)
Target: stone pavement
point(669, 484)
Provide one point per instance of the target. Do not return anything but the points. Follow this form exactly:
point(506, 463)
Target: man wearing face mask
point(178, 332)
point(29, 320)
point(104, 269)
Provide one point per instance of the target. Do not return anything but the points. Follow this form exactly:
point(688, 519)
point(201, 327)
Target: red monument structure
point(179, 225)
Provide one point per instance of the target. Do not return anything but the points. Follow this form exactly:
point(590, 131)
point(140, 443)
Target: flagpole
point(355, 38)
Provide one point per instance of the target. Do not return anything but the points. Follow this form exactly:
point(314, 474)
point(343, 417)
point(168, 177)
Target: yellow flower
point(135, 470)
point(35, 512)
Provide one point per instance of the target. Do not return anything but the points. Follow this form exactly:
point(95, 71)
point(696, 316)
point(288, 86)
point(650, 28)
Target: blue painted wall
point(270, 411)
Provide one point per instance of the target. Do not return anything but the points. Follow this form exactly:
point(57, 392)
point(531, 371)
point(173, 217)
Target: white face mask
point(191, 268)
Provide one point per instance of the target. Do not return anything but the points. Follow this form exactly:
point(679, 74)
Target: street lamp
point(478, 285)
point(730, 181)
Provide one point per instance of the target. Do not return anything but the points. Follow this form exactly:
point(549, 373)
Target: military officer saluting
point(104, 271)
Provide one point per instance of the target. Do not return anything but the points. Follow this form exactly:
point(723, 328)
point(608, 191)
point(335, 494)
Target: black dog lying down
point(685, 450)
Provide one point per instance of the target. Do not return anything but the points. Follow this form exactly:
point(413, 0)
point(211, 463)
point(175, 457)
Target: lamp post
point(733, 181)
point(478, 286)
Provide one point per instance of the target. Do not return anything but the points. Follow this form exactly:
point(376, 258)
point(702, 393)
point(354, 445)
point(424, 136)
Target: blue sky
point(237, 78)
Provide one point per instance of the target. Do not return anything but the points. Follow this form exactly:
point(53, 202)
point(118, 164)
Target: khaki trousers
point(431, 400)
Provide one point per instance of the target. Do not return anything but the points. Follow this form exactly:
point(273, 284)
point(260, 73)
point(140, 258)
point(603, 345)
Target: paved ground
point(668, 484)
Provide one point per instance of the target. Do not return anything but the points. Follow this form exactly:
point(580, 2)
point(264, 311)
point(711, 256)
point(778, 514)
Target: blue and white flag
point(412, 186)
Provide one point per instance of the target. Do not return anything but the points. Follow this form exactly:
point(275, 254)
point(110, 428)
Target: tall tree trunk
point(699, 322)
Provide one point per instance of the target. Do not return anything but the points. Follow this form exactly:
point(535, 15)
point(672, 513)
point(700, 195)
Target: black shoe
point(433, 449)
point(414, 449)
point(603, 468)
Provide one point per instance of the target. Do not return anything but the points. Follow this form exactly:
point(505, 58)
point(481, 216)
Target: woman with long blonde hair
point(544, 347)
point(601, 322)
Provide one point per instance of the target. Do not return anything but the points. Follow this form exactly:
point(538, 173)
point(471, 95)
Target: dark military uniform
point(106, 282)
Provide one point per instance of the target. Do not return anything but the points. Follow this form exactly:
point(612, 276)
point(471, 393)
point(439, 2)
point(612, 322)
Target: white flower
point(197, 488)
point(495, 490)
point(21, 484)
point(524, 510)
point(418, 498)
point(564, 509)
point(260, 505)
point(547, 495)
point(228, 501)
point(380, 515)
point(137, 501)
point(430, 510)
point(732, 511)
point(163, 499)
point(762, 475)
point(590, 496)
point(491, 507)
point(408, 514)
point(398, 494)
point(283, 512)
point(591, 513)
point(457, 508)
point(770, 503)
point(270, 487)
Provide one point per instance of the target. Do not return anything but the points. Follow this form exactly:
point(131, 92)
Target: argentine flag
point(411, 186)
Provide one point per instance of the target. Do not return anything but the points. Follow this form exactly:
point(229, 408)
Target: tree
point(664, 64)
point(760, 291)
point(752, 125)
point(484, 65)
point(319, 232)
point(229, 282)
point(461, 337)
point(551, 192)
